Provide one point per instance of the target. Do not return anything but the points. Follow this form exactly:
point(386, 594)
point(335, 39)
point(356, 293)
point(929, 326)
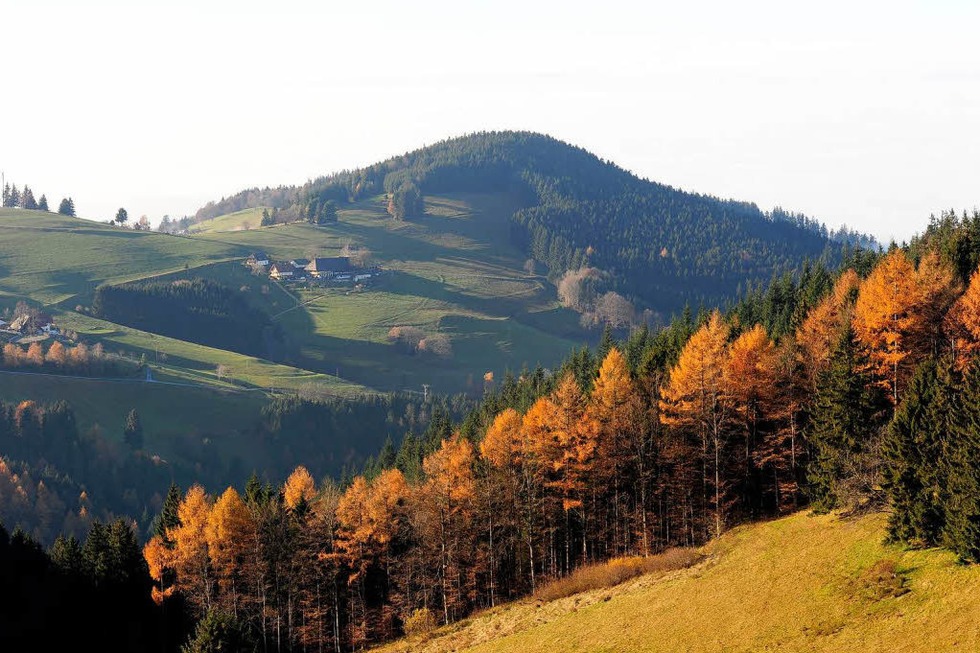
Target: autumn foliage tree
point(694, 401)
point(962, 323)
point(898, 315)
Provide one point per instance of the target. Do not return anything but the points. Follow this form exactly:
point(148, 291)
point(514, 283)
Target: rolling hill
point(801, 583)
point(567, 208)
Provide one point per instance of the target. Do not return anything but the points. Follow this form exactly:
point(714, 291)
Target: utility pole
point(425, 392)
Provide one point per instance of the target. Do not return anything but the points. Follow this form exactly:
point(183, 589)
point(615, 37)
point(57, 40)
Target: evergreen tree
point(13, 198)
point(962, 473)
point(67, 555)
point(133, 431)
point(169, 519)
point(6, 195)
point(913, 449)
point(27, 200)
point(67, 207)
point(218, 632)
point(841, 424)
point(42, 204)
point(121, 216)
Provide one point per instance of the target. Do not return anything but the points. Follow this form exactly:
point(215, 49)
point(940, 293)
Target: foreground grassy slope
point(803, 583)
point(54, 259)
point(452, 271)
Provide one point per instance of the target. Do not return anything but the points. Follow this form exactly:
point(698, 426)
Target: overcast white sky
point(864, 113)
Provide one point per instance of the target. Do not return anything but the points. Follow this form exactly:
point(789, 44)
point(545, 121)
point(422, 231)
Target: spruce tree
point(841, 424)
point(67, 555)
point(168, 519)
point(67, 207)
point(27, 200)
point(961, 461)
point(42, 204)
point(911, 449)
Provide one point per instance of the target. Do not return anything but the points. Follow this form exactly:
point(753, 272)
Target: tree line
point(24, 199)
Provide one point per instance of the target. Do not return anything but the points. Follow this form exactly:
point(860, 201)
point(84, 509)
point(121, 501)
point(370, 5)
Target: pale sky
point(864, 113)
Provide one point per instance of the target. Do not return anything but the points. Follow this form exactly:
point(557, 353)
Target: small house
point(282, 271)
point(258, 258)
point(328, 268)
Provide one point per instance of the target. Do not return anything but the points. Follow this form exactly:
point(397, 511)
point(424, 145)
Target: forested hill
point(656, 244)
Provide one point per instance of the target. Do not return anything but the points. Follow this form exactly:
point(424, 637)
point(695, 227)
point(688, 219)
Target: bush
point(420, 622)
point(437, 345)
point(882, 580)
point(616, 571)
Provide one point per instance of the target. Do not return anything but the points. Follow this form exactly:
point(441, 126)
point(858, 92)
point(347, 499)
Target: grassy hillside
point(450, 272)
point(54, 259)
point(803, 583)
point(58, 261)
point(237, 221)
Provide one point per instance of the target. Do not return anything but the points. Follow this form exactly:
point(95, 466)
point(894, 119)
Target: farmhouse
point(258, 258)
point(282, 271)
point(300, 263)
point(328, 268)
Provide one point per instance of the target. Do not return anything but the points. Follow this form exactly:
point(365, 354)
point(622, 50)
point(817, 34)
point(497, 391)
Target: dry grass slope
point(802, 583)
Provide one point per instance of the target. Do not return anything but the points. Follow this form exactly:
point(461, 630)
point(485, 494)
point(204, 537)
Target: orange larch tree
point(751, 387)
point(299, 488)
point(694, 400)
point(228, 533)
point(821, 329)
point(192, 564)
point(500, 488)
point(614, 412)
point(448, 507)
point(962, 323)
point(897, 316)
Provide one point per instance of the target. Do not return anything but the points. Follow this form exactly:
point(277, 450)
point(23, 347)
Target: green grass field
point(53, 259)
point(802, 583)
point(237, 221)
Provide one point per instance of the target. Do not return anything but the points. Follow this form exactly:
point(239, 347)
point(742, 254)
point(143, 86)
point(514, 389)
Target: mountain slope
point(662, 246)
point(802, 583)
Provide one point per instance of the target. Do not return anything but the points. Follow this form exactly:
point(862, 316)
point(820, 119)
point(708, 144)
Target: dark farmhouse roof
point(300, 262)
point(331, 264)
point(280, 268)
point(259, 256)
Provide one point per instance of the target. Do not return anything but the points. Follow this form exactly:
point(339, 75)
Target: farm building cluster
point(28, 325)
point(336, 269)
